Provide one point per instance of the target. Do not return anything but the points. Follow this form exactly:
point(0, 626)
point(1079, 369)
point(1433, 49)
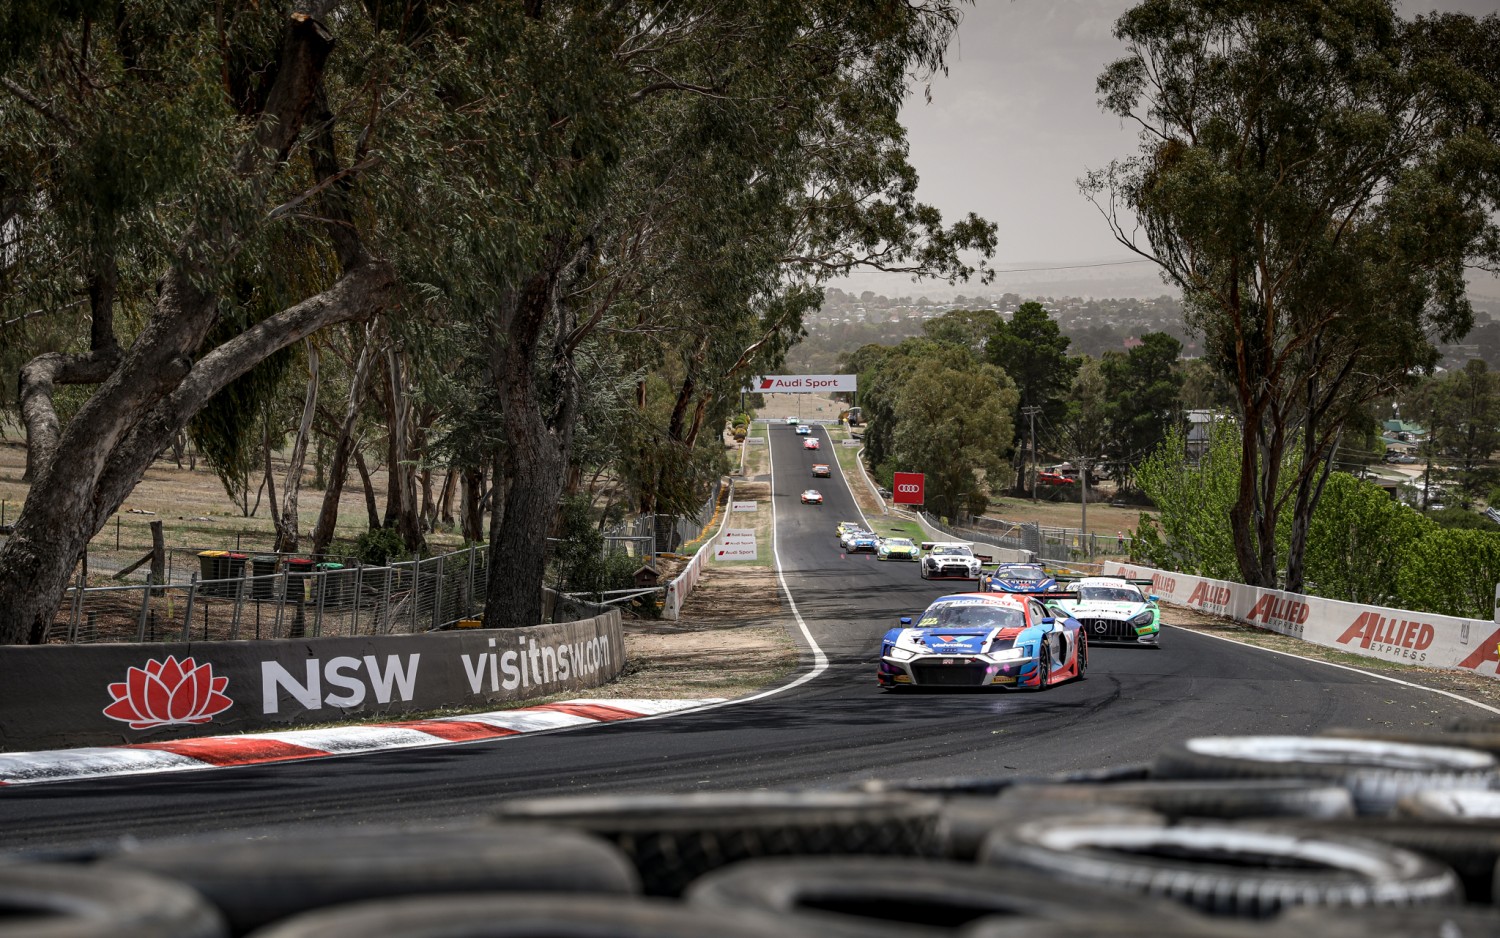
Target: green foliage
point(1451, 572)
point(955, 425)
point(1190, 533)
point(1358, 541)
point(1034, 352)
point(1456, 518)
point(378, 547)
point(1145, 393)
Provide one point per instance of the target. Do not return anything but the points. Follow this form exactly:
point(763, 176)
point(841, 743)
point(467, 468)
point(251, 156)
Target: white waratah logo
point(906, 487)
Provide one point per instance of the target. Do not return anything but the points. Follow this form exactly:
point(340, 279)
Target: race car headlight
point(1009, 654)
point(902, 654)
point(1144, 618)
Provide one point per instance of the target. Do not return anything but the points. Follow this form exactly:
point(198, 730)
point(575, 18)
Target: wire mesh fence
point(1057, 545)
point(274, 596)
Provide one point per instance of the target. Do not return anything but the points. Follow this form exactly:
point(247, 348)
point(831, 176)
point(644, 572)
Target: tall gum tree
point(1315, 175)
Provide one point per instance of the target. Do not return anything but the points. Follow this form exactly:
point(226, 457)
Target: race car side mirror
point(906, 620)
point(1154, 597)
point(1048, 620)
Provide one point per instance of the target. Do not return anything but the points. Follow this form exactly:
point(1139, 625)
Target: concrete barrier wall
point(59, 695)
point(1372, 631)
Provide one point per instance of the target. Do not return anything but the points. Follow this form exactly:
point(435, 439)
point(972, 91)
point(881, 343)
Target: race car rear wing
point(1133, 581)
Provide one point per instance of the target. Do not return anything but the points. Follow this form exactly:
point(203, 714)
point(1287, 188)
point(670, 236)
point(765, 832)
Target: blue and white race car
point(860, 542)
point(804, 430)
point(1018, 578)
point(984, 640)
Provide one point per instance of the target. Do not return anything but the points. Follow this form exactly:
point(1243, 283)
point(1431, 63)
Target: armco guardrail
point(77, 695)
point(1372, 631)
point(682, 585)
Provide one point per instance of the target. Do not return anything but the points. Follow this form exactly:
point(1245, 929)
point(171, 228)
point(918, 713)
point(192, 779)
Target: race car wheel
point(1377, 774)
point(1224, 869)
point(1044, 669)
point(1231, 799)
point(674, 839)
point(65, 901)
point(924, 571)
point(874, 896)
point(1083, 655)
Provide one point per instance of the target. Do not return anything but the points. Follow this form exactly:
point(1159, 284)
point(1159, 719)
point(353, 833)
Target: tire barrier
point(675, 839)
point(1223, 837)
point(1377, 773)
point(1225, 870)
point(44, 900)
point(255, 882)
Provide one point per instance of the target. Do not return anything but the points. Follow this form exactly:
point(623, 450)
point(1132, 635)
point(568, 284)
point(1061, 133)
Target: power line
point(1027, 270)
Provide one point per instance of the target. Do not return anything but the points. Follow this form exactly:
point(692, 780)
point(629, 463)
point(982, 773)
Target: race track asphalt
point(833, 730)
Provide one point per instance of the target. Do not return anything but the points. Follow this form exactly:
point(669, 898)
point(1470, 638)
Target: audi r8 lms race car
point(1111, 609)
point(949, 561)
point(860, 542)
point(810, 443)
point(812, 497)
point(821, 470)
point(984, 640)
point(897, 548)
point(1018, 578)
point(803, 429)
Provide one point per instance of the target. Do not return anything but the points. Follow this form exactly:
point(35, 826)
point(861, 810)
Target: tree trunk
point(372, 509)
point(471, 505)
point(265, 442)
point(287, 535)
point(445, 498)
point(344, 445)
point(401, 507)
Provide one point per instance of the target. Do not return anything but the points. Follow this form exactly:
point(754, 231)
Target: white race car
point(943, 560)
point(1111, 609)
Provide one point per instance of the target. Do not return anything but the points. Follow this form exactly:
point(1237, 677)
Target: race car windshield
point(974, 616)
point(898, 542)
point(1109, 594)
point(953, 551)
point(1020, 573)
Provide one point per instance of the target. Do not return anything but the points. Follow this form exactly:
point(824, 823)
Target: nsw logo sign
point(907, 488)
point(168, 693)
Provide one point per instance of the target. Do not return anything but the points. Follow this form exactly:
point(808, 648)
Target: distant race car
point(844, 527)
point(1018, 578)
point(860, 542)
point(810, 443)
point(984, 640)
point(793, 421)
point(812, 497)
point(803, 429)
point(1111, 609)
point(821, 470)
point(897, 548)
point(949, 561)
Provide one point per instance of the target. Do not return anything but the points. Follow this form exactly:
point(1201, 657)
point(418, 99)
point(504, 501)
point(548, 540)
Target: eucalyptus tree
point(1145, 395)
point(1315, 175)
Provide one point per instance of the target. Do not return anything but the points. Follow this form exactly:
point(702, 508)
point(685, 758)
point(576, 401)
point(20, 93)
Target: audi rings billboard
point(906, 488)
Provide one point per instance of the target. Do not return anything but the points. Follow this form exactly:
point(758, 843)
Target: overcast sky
point(1015, 123)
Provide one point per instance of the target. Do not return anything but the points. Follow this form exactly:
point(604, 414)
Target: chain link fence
point(234, 596)
point(1054, 545)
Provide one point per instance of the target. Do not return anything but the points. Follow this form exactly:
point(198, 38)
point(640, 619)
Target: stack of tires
point(1330, 836)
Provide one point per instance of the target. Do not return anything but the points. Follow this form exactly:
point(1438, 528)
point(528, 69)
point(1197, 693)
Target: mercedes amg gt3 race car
point(1018, 578)
point(844, 527)
point(1112, 609)
point(860, 542)
point(984, 640)
point(897, 548)
point(949, 561)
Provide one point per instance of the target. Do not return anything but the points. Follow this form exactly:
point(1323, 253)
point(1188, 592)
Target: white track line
point(1345, 667)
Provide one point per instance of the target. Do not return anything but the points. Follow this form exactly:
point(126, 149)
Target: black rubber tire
point(1083, 656)
point(1483, 741)
point(1044, 669)
point(888, 896)
point(674, 839)
point(1377, 774)
point(969, 821)
point(1223, 869)
point(1471, 848)
point(1432, 921)
point(40, 900)
point(1452, 805)
point(1200, 926)
point(922, 568)
point(531, 917)
point(254, 882)
point(1205, 798)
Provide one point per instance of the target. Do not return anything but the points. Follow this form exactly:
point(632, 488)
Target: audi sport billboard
point(907, 488)
point(803, 384)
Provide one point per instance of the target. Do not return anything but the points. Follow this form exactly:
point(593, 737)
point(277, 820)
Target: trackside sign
point(908, 488)
point(803, 384)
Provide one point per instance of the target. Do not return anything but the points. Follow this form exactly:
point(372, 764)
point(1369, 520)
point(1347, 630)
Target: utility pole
point(1083, 479)
point(1032, 412)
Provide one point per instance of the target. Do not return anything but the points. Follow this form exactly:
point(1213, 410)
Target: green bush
point(377, 547)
